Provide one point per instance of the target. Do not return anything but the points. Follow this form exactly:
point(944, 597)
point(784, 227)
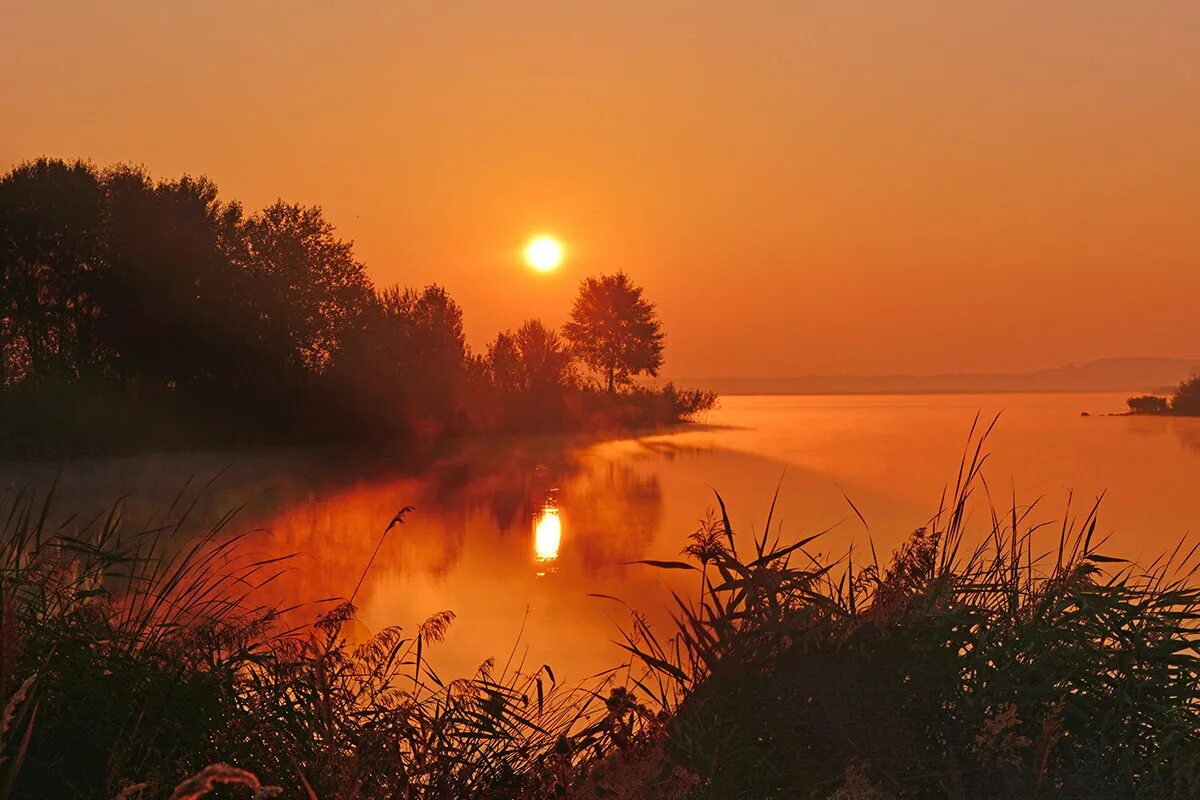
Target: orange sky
point(804, 187)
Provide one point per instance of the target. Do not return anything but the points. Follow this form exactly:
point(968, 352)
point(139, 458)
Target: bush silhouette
point(1148, 404)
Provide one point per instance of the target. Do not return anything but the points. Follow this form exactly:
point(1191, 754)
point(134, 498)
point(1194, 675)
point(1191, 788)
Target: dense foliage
point(999, 670)
point(1148, 404)
point(150, 313)
point(615, 330)
point(1185, 402)
point(129, 663)
point(956, 672)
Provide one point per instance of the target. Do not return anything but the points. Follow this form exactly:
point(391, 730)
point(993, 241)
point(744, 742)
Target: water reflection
point(1188, 431)
point(547, 537)
point(487, 538)
point(1185, 429)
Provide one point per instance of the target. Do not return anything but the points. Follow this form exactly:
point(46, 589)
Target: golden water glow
point(544, 253)
point(547, 535)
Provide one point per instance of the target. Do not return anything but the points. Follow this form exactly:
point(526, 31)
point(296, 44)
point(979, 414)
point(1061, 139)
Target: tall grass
point(130, 664)
point(995, 670)
point(1004, 661)
point(125, 652)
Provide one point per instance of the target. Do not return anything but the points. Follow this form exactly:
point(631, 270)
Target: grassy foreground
point(132, 670)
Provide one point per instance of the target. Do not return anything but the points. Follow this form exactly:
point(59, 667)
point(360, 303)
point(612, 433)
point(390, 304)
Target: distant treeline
point(1185, 402)
point(139, 313)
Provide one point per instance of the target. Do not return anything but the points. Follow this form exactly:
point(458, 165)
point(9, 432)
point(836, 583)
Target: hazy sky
point(802, 186)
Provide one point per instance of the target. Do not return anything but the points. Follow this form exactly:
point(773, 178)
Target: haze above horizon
point(833, 188)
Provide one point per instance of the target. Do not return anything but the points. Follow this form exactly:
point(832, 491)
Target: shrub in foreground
point(130, 662)
point(948, 672)
point(952, 672)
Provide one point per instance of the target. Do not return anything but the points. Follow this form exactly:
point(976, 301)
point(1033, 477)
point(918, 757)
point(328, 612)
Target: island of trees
point(139, 313)
point(1185, 402)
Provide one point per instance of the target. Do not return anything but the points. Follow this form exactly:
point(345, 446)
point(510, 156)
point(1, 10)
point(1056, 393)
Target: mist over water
point(515, 536)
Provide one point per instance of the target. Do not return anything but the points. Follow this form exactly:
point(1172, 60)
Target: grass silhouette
point(973, 667)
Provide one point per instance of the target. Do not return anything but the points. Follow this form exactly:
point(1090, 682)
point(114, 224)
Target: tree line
point(140, 312)
point(1184, 402)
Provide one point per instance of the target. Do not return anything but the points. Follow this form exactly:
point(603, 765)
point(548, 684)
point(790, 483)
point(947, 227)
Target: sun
point(544, 253)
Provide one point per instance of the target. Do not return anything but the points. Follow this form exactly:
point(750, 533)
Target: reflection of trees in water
point(611, 514)
point(334, 536)
point(610, 510)
point(519, 493)
point(671, 451)
point(653, 449)
point(509, 485)
point(329, 506)
point(1185, 429)
point(1188, 431)
point(260, 484)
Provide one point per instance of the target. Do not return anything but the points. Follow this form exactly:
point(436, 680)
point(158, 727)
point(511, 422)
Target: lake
point(514, 536)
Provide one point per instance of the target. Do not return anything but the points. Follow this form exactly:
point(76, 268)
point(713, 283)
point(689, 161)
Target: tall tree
point(1186, 401)
point(173, 309)
point(427, 326)
point(311, 289)
point(406, 362)
point(615, 330)
point(545, 359)
point(51, 221)
point(529, 373)
point(532, 360)
point(503, 363)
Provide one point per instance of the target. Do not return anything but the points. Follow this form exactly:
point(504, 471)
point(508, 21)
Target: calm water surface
point(515, 536)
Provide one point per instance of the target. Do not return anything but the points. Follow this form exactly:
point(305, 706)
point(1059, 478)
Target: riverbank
point(98, 420)
point(985, 671)
point(472, 545)
point(1183, 402)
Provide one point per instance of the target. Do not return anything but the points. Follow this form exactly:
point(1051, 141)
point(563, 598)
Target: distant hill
point(1104, 375)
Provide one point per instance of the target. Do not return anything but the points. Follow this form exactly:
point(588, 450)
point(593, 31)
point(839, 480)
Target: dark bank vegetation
point(1020, 666)
point(138, 313)
point(1185, 401)
point(1012, 662)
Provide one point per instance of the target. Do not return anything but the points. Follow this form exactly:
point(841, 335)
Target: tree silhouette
point(428, 349)
point(532, 360)
point(51, 217)
point(172, 307)
point(405, 362)
point(1186, 400)
point(427, 326)
point(137, 312)
point(530, 371)
point(614, 330)
point(503, 363)
point(311, 288)
point(1148, 404)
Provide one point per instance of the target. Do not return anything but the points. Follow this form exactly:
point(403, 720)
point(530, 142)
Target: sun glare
point(544, 253)
point(547, 536)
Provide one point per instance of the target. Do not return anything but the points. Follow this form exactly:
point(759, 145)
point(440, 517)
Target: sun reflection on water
point(547, 536)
